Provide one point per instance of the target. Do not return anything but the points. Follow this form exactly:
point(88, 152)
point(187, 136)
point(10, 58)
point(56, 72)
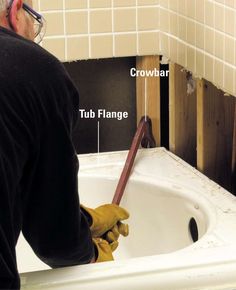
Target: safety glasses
point(39, 21)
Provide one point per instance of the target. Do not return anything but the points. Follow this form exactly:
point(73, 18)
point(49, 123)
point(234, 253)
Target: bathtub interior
point(160, 215)
point(159, 222)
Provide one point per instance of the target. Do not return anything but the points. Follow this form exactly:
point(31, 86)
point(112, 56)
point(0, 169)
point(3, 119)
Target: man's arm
point(53, 224)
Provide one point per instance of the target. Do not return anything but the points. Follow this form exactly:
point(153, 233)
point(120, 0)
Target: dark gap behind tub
point(164, 87)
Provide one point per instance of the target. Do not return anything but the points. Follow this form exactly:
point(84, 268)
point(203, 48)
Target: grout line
point(98, 34)
point(95, 9)
point(136, 27)
point(113, 28)
point(98, 137)
point(186, 50)
point(39, 10)
point(195, 40)
point(64, 27)
point(159, 25)
point(224, 50)
point(204, 41)
point(89, 34)
point(145, 99)
point(214, 42)
point(39, 6)
point(234, 85)
point(178, 32)
point(234, 82)
point(168, 5)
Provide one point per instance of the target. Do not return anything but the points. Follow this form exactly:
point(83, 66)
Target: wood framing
point(234, 154)
point(215, 121)
point(182, 109)
point(152, 93)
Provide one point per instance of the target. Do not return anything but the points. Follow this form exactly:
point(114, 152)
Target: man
point(38, 163)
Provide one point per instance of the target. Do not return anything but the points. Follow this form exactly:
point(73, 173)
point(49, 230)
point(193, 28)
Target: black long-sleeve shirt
point(38, 163)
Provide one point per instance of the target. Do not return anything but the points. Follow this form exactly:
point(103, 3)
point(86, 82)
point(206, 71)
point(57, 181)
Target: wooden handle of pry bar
point(129, 162)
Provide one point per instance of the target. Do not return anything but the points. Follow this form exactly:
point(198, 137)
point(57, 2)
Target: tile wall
point(84, 29)
point(197, 34)
point(201, 36)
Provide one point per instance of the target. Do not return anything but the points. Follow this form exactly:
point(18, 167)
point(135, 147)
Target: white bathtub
point(163, 195)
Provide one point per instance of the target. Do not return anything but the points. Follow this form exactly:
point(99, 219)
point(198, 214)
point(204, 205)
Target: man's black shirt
point(38, 163)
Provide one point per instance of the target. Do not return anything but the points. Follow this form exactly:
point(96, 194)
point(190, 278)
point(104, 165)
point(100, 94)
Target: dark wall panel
point(105, 84)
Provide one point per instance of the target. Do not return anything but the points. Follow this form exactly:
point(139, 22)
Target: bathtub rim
point(192, 266)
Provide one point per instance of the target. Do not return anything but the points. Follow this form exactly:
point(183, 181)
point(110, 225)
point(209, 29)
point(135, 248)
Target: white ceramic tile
point(148, 43)
point(209, 68)
point(219, 18)
point(182, 54)
point(182, 28)
point(191, 32)
point(182, 6)
point(229, 50)
point(229, 79)
point(173, 50)
point(191, 8)
point(200, 11)
point(164, 44)
point(229, 21)
point(218, 73)
point(209, 13)
point(219, 45)
point(164, 20)
point(200, 36)
point(209, 40)
point(174, 24)
point(191, 52)
point(199, 64)
point(173, 5)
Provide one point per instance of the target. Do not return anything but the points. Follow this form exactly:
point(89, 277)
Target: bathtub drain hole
point(193, 229)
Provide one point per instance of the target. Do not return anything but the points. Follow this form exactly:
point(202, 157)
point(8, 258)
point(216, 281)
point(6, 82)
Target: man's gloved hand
point(103, 250)
point(113, 234)
point(106, 219)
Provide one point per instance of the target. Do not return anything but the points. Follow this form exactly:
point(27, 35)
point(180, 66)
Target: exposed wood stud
point(152, 92)
point(233, 165)
point(182, 107)
point(200, 125)
point(215, 114)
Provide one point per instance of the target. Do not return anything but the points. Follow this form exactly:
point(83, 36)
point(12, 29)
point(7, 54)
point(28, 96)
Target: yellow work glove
point(113, 234)
point(104, 250)
point(106, 219)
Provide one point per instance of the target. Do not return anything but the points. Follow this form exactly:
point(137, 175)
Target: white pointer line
point(145, 96)
point(98, 137)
